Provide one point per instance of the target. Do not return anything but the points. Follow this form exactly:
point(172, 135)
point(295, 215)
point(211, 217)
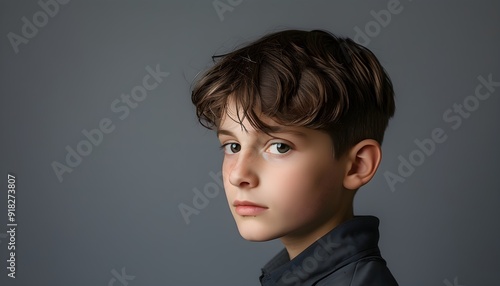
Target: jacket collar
point(348, 242)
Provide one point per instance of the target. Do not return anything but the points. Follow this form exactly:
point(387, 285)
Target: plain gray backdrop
point(65, 66)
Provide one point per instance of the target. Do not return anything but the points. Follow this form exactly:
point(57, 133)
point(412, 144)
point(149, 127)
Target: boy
point(300, 117)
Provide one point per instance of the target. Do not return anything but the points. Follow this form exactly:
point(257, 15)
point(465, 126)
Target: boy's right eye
point(231, 148)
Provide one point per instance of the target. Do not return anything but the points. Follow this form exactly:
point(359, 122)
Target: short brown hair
point(299, 78)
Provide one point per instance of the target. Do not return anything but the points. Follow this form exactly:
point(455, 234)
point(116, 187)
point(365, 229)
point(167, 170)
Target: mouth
point(247, 208)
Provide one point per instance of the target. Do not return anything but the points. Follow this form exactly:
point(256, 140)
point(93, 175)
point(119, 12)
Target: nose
point(243, 171)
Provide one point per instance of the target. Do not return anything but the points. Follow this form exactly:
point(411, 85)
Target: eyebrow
point(274, 129)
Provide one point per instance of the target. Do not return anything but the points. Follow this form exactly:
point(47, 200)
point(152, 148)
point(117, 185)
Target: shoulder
point(371, 270)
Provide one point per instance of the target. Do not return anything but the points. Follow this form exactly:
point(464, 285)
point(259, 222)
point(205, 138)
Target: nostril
point(244, 184)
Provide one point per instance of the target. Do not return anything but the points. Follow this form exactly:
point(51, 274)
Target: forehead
point(230, 124)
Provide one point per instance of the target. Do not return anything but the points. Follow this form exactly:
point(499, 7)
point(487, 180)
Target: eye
point(279, 148)
point(231, 148)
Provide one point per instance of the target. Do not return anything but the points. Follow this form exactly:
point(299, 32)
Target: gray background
point(119, 207)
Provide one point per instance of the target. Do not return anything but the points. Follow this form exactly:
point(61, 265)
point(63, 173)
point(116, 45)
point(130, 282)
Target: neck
point(297, 242)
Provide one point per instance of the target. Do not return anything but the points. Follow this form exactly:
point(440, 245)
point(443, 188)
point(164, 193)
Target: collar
point(348, 242)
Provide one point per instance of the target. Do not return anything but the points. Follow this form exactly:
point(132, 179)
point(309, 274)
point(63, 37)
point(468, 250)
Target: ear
point(362, 162)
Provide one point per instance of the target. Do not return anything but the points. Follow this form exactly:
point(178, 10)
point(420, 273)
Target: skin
point(305, 190)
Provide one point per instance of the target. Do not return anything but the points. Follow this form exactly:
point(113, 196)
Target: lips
point(247, 208)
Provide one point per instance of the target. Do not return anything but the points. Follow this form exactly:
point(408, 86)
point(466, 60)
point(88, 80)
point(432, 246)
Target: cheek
point(225, 179)
point(302, 187)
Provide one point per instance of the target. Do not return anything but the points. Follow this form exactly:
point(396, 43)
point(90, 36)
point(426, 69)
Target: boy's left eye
point(279, 148)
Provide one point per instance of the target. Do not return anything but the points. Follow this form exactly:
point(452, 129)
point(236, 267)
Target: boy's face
point(288, 185)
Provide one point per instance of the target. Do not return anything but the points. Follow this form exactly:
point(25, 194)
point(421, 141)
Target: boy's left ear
point(362, 162)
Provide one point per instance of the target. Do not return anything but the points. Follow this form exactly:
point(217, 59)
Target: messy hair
point(304, 79)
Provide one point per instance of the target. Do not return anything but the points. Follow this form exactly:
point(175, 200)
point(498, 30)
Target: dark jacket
point(347, 255)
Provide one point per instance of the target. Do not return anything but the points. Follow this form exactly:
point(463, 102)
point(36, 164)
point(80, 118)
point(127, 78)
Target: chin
point(254, 231)
point(256, 238)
